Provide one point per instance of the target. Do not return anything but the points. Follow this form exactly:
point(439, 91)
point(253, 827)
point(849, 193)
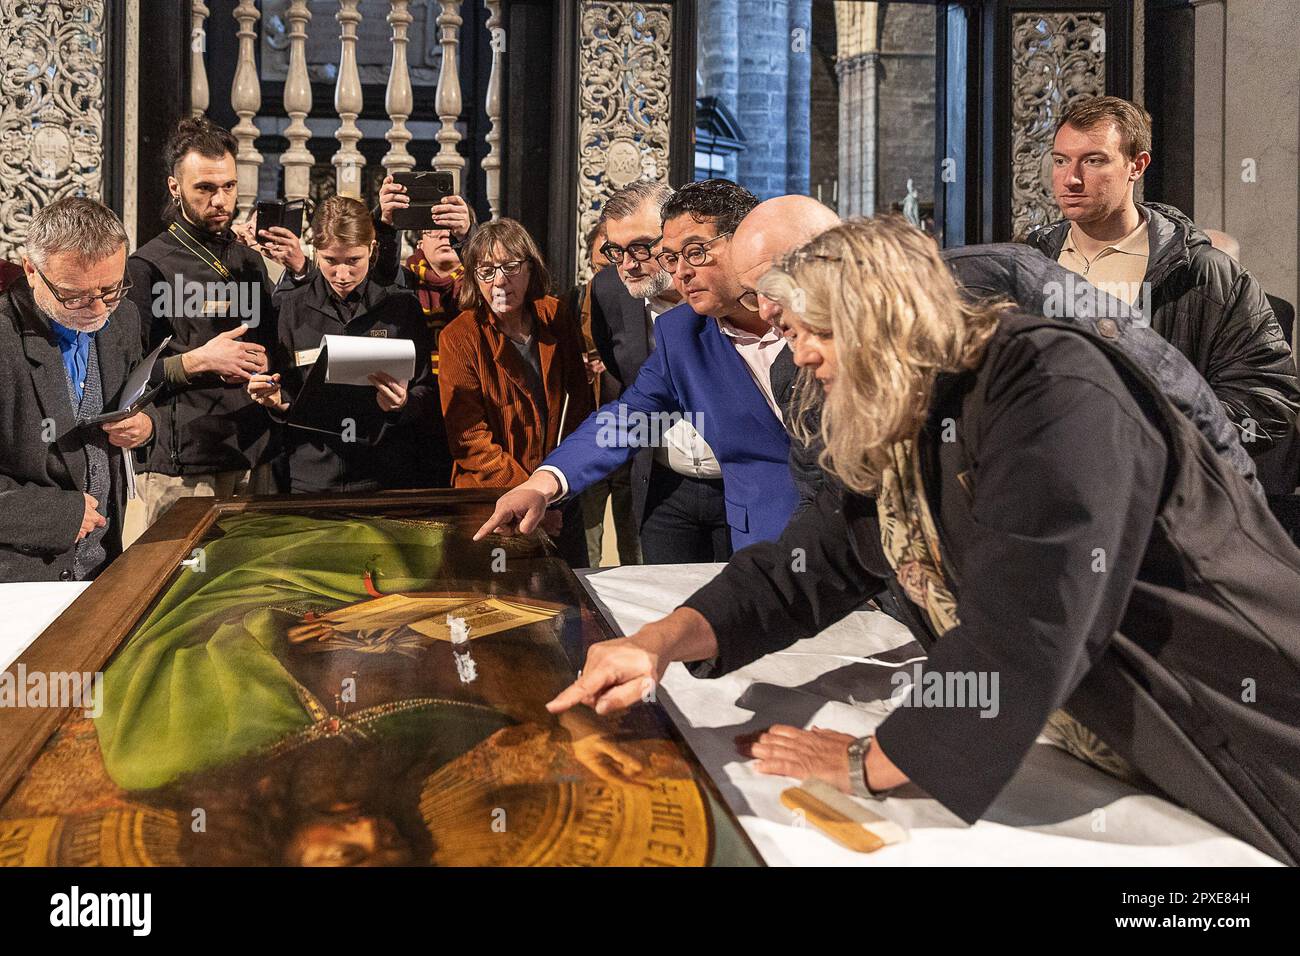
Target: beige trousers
point(155, 493)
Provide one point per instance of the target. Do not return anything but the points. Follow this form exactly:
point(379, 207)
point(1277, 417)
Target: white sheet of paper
point(352, 359)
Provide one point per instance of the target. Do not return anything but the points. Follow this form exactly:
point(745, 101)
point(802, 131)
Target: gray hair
point(84, 227)
point(632, 197)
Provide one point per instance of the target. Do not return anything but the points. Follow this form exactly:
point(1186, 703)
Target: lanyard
point(199, 251)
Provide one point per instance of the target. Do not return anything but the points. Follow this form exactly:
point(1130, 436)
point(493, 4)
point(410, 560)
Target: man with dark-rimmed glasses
point(68, 341)
point(711, 363)
point(626, 302)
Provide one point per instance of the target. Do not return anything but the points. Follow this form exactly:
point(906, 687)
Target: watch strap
point(858, 750)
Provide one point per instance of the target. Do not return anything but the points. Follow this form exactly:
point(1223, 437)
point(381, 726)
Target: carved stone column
point(198, 69)
point(348, 160)
point(448, 102)
point(492, 161)
point(398, 99)
point(246, 99)
point(858, 130)
point(857, 62)
point(297, 159)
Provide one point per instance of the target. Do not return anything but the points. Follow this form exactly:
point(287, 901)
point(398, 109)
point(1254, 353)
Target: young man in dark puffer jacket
point(1151, 255)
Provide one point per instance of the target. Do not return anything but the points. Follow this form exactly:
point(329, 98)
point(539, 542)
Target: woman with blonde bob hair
point(1052, 527)
point(905, 321)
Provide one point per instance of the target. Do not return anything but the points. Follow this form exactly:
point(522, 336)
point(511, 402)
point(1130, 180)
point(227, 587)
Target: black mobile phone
point(425, 188)
point(286, 213)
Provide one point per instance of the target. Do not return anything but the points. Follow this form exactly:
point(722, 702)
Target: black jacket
point(619, 328)
point(1216, 314)
point(1020, 274)
point(42, 482)
point(207, 425)
point(1103, 557)
point(397, 449)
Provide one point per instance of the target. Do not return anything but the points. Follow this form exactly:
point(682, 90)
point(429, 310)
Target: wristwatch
point(858, 768)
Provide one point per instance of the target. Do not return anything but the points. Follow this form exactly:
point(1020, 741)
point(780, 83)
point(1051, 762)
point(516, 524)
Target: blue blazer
point(694, 369)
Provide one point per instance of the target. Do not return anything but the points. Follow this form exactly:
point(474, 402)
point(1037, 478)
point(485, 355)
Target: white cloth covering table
point(1056, 811)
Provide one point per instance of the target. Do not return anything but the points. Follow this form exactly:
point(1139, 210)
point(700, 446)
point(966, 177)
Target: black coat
point(1179, 649)
point(42, 482)
point(208, 425)
point(1215, 313)
point(402, 449)
point(619, 331)
point(1022, 275)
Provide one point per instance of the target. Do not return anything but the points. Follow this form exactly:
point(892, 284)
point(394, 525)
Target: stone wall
point(1246, 167)
point(905, 105)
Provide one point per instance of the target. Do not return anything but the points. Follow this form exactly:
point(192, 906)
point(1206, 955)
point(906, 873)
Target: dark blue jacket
point(695, 369)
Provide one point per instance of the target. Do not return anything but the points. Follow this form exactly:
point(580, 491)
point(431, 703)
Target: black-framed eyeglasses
point(749, 299)
point(696, 253)
point(488, 273)
point(640, 251)
point(74, 303)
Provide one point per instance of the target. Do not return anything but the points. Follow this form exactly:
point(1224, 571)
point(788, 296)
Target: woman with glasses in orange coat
point(510, 370)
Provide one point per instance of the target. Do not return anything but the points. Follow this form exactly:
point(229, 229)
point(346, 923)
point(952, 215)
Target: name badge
point(306, 357)
point(378, 333)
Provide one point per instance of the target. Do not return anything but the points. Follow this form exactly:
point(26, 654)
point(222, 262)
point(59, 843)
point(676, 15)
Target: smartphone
point(425, 188)
point(286, 213)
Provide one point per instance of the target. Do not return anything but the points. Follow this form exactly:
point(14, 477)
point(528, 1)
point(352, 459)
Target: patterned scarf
point(910, 540)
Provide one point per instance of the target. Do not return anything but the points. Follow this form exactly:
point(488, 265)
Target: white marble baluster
point(448, 102)
point(492, 161)
point(398, 100)
point(348, 160)
point(198, 69)
point(297, 159)
point(246, 99)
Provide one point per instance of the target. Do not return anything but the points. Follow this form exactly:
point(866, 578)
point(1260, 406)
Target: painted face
point(708, 283)
point(348, 840)
point(503, 281)
point(1091, 177)
point(644, 278)
point(74, 280)
point(812, 350)
point(205, 188)
point(344, 266)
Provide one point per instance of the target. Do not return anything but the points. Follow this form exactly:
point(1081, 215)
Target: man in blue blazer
point(714, 363)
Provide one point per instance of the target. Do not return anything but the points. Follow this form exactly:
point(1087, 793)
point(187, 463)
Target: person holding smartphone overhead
point(357, 437)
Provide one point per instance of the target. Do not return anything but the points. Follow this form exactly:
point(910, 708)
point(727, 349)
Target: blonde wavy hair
point(898, 320)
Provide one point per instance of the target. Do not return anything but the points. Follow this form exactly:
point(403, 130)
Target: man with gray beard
point(625, 302)
point(69, 339)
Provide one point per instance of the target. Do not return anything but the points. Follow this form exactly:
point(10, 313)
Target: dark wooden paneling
point(1170, 95)
point(681, 149)
point(164, 83)
point(529, 166)
point(561, 249)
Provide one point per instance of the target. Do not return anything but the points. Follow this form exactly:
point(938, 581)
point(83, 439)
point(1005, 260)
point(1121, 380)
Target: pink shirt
point(758, 354)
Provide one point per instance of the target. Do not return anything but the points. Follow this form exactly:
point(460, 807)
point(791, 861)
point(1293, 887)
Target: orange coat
point(493, 422)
